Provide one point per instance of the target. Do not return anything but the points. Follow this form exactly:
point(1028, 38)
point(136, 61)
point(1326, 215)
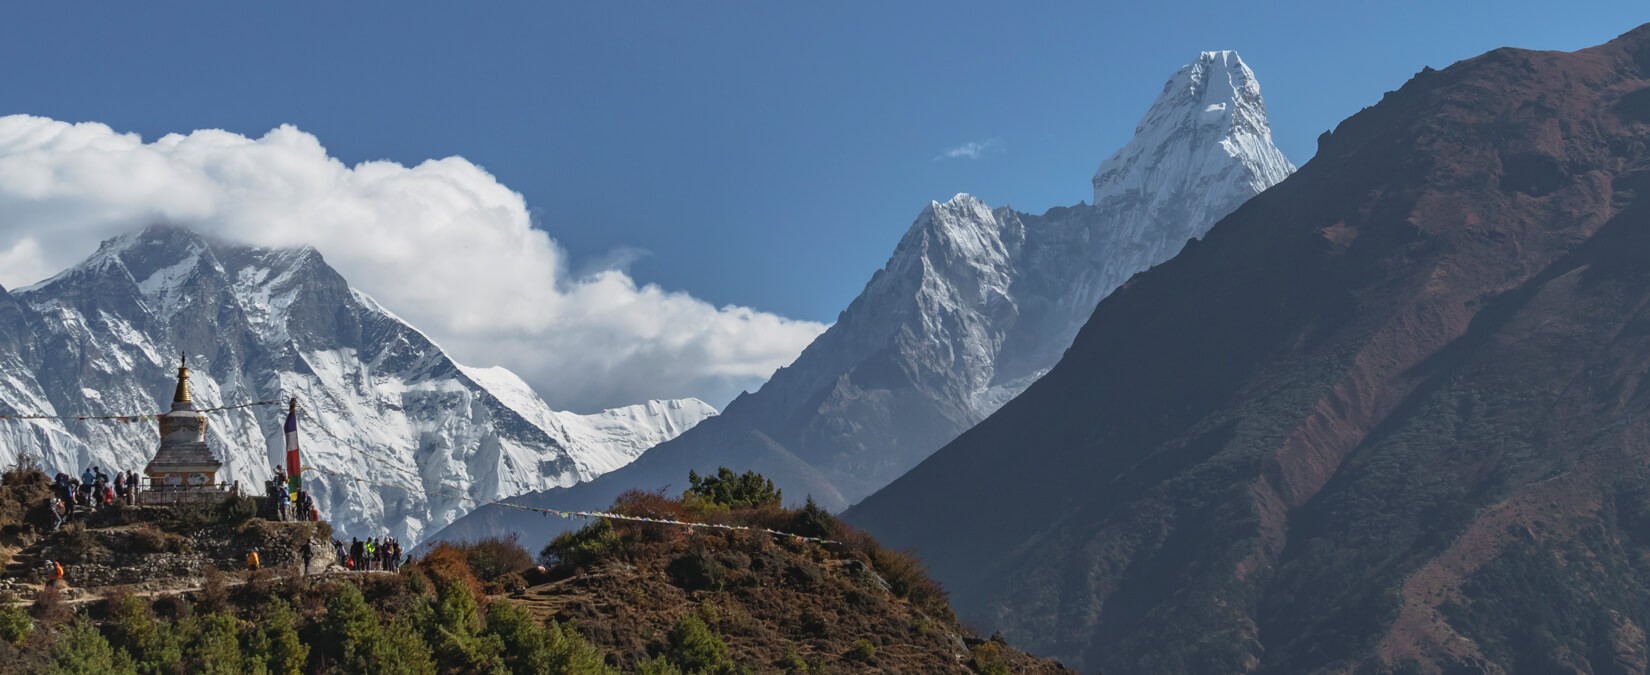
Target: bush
point(863, 650)
point(237, 509)
point(513, 582)
point(697, 570)
point(495, 557)
point(572, 550)
point(986, 658)
point(76, 544)
point(813, 521)
point(147, 539)
point(793, 662)
point(907, 579)
point(214, 595)
point(448, 563)
point(694, 647)
point(746, 490)
point(49, 607)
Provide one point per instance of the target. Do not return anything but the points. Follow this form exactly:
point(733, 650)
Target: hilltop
point(157, 590)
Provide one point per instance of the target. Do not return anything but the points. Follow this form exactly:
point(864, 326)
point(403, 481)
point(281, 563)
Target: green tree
point(813, 521)
point(457, 640)
point(351, 629)
point(732, 490)
point(215, 647)
point(399, 649)
point(694, 647)
point(15, 624)
point(274, 642)
point(531, 648)
point(571, 550)
point(152, 644)
point(81, 650)
point(659, 665)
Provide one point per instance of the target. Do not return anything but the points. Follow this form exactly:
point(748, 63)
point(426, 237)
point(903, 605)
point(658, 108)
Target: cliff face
point(1387, 413)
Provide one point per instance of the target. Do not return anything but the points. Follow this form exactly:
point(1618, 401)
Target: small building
point(184, 468)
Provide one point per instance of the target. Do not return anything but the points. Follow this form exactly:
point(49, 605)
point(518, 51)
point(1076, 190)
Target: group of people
point(93, 490)
point(384, 555)
point(280, 500)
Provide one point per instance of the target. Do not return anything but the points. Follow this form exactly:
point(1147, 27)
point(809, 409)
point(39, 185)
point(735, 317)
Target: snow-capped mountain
point(973, 306)
point(404, 439)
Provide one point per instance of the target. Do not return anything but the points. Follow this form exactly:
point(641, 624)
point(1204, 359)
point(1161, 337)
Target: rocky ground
point(140, 548)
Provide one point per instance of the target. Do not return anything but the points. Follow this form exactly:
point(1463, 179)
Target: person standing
point(252, 560)
point(308, 552)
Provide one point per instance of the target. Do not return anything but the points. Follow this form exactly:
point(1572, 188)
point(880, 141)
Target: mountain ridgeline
point(384, 404)
point(1390, 415)
point(973, 306)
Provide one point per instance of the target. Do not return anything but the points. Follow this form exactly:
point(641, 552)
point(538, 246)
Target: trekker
point(132, 486)
point(54, 574)
point(58, 512)
point(308, 551)
point(252, 561)
point(356, 549)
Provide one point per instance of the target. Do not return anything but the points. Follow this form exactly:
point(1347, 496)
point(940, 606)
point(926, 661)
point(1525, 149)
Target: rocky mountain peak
point(973, 306)
point(1208, 127)
point(384, 401)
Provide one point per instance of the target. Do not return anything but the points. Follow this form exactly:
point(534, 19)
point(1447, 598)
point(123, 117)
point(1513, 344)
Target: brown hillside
point(780, 605)
point(1390, 414)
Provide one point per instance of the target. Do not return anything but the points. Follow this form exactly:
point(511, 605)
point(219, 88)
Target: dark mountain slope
point(1349, 423)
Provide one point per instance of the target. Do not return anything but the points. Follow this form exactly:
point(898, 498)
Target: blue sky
point(763, 154)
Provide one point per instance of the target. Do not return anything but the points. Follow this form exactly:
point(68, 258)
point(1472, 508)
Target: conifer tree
point(457, 639)
point(15, 624)
point(152, 644)
point(534, 649)
point(274, 643)
point(81, 650)
point(215, 646)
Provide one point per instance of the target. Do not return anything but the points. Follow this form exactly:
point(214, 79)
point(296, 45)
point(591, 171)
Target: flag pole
point(293, 467)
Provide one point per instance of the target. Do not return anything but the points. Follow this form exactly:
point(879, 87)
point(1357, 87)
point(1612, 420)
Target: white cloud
point(971, 149)
point(443, 244)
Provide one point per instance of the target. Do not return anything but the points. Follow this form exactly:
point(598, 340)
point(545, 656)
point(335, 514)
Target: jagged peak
point(1209, 108)
point(1217, 81)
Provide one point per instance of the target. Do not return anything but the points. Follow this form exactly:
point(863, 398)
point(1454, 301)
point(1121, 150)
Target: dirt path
point(94, 594)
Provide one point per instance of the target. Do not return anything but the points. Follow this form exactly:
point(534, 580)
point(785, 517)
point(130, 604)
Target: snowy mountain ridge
point(974, 305)
point(384, 403)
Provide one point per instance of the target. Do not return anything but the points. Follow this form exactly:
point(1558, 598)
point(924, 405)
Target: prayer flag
point(292, 466)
